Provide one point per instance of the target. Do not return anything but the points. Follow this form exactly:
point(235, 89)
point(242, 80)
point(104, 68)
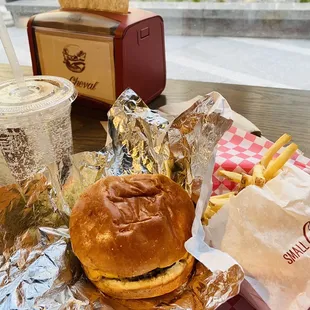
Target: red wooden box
point(101, 53)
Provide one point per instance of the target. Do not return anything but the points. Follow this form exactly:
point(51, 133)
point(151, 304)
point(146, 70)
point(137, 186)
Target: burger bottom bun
point(163, 283)
point(178, 299)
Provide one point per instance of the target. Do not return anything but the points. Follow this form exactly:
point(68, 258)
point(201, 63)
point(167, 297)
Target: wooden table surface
point(273, 110)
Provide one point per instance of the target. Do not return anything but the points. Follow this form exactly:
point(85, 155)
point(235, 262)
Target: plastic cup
point(35, 130)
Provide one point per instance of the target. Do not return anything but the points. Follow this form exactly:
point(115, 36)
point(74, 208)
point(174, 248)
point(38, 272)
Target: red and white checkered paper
point(239, 151)
point(236, 303)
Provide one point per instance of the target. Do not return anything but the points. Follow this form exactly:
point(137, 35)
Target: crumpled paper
point(38, 269)
point(267, 230)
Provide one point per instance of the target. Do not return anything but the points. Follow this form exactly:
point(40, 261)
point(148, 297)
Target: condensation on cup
point(35, 129)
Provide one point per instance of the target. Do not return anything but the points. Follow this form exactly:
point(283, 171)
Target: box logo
point(74, 58)
point(301, 247)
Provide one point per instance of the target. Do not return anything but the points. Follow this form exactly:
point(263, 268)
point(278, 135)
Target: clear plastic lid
point(43, 93)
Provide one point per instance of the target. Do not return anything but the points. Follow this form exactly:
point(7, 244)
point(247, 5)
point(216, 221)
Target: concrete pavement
point(6, 15)
point(263, 62)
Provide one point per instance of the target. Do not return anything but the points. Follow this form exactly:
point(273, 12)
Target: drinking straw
point(11, 55)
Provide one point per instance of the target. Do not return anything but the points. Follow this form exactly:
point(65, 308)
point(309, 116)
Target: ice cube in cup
point(35, 130)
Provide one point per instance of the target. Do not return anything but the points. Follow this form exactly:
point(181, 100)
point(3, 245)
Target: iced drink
point(35, 128)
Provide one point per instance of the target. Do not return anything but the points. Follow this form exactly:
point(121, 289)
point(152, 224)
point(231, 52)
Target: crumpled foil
point(38, 269)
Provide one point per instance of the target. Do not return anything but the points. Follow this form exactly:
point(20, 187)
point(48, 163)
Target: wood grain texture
point(273, 110)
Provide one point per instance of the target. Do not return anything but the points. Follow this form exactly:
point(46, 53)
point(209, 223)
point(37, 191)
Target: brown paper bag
point(117, 6)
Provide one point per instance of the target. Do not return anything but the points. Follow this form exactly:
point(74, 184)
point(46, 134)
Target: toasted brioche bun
point(126, 227)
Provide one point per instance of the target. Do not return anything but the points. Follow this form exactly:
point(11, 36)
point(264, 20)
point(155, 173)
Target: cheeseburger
point(129, 234)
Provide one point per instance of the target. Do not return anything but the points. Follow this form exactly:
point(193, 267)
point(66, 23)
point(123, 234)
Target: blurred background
point(262, 43)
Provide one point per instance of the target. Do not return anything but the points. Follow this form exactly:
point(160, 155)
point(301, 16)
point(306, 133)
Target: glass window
point(251, 42)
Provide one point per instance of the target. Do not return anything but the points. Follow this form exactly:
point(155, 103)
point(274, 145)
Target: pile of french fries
point(265, 170)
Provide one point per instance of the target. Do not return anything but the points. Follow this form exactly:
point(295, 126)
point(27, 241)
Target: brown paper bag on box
point(116, 6)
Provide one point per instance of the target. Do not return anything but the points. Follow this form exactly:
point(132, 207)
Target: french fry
point(232, 176)
point(209, 212)
point(217, 203)
point(284, 139)
point(216, 208)
point(258, 175)
point(205, 221)
point(214, 205)
point(245, 181)
point(227, 195)
point(280, 161)
point(207, 215)
point(262, 173)
point(270, 163)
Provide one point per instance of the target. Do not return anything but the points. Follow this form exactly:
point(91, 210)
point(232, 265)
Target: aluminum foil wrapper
point(38, 269)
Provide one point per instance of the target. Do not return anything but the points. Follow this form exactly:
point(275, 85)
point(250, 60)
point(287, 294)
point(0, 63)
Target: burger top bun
point(128, 226)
